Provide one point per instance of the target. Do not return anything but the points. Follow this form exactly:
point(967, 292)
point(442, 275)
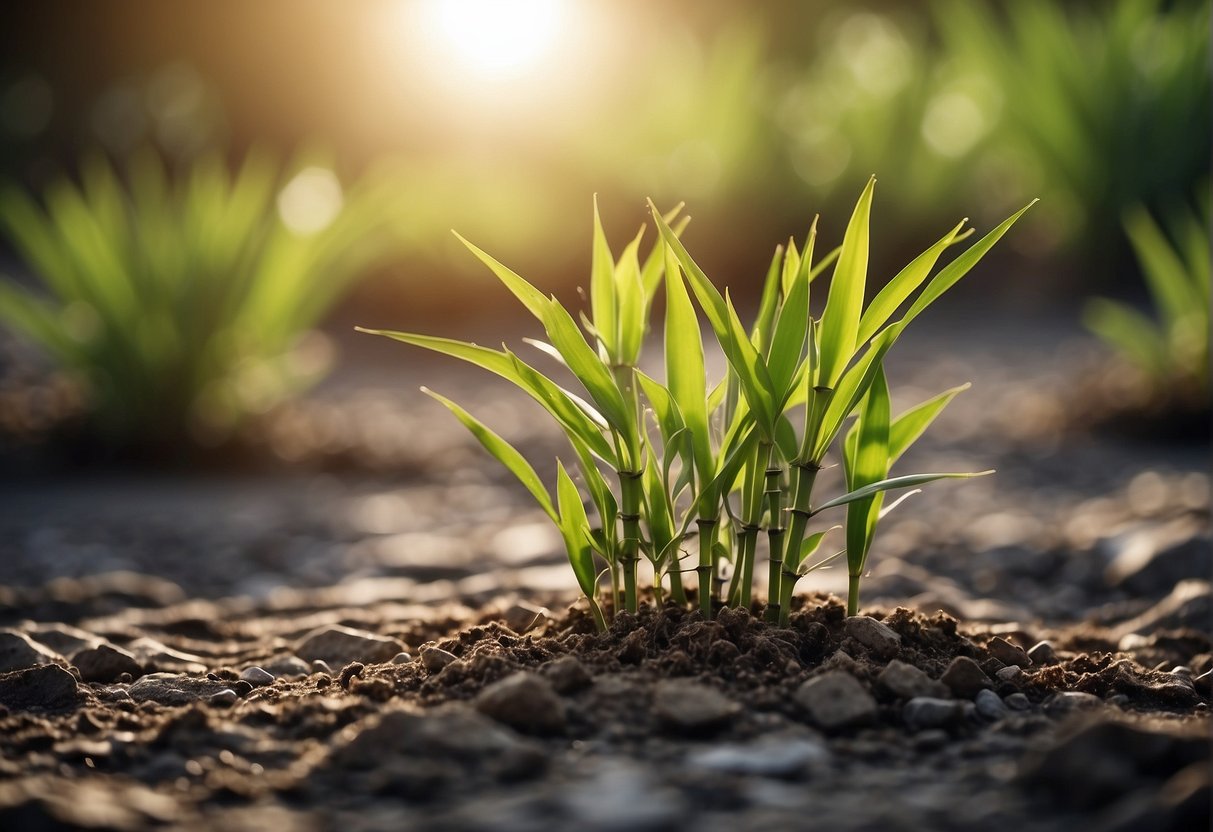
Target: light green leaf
point(503, 451)
point(534, 300)
point(907, 481)
point(574, 528)
point(684, 363)
point(840, 319)
point(906, 428)
point(604, 304)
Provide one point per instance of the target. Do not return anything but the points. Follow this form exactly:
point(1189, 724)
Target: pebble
point(924, 712)
point(1018, 702)
point(321, 666)
point(771, 756)
point(435, 658)
point(47, 686)
point(1008, 653)
point(875, 635)
point(401, 658)
point(242, 687)
point(567, 675)
point(525, 702)
point(907, 681)
point(19, 651)
point(690, 706)
point(836, 700)
point(105, 663)
point(341, 645)
point(287, 666)
point(965, 677)
point(1071, 700)
point(990, 705)
point(257, 677)
point(1010, 673)
point(1042, 653)
point(224, 698)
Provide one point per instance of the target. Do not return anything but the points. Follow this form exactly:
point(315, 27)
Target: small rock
point(1071, 700)
point(990, 705)
point(1042, 653)
point(105, 663)
point(567, 675)
point(435, 658)
point(401, 658)
point(47, 686)
point(771, 756)
point(224, 698)
point(522, 617)
point(350, 672)
point(1009, 654)
point(1010, 673)
point(1018, 702)
point(242, 687)
point(877, 636)
point(524, 701)
point(287, 667)
point(342, 645)
point(174, 688)
point(965, 677)
point(321, 666)
point(257, 677)
point(691, 706)
point(925, 712)
point(19, 651)
point(836, 700)
point(907, 681)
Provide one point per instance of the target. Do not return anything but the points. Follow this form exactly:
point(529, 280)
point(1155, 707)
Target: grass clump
point(658, 456)
point(1172, 348)
point(183, 304)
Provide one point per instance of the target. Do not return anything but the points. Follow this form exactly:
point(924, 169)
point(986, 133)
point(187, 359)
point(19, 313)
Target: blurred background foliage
point(501, 118)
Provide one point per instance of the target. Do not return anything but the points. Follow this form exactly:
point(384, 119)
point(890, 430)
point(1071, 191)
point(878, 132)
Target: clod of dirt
point(836, 700)
point(174, 688)
point(105, 663)
point(18, 651)
point(1008, 653)
point(523, 701)
point(338, 645)
point(48, 687)
point(907, 681)
point(567, 675)
point(435, 658)
point(880, 640)
point(688, 706)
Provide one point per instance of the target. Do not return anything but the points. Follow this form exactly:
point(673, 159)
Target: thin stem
point(775, 528)
point(676, 589)
point(753, 519)
point(806, 477)
point(707, 566)
point(629, 487)
point(599, 618)
point(786, 587)
point(853, 594)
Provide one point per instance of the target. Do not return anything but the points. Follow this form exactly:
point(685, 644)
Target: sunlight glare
point(496, 38)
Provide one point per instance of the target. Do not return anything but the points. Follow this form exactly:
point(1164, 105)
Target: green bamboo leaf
point(897, 290)
point(684, 363)
point(654, 267)
point(574, 528)
point(534, 300)
point(765, 321)
point(852, 387)
point(907, 481)
point(585, 364)
point(791, 268)
point(840, 318)
point(503, 451)
point(870, 463)
point(906, 428)
point(810, 545)
point(787, 344)
point(669, 418)
point(604, 303)
point(751, 372)
point(958, 268)
point(825, 263)
point(633, 323)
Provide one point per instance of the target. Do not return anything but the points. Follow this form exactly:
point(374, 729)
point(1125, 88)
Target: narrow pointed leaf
point(907, 481)
point(906, 428)
point(840, 319)
point(604, 304)
point(534, 300)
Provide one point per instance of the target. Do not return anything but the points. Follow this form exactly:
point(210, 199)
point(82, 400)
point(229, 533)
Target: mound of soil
point(667, 721)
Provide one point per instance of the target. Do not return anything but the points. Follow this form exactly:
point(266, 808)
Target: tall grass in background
point(183, 304)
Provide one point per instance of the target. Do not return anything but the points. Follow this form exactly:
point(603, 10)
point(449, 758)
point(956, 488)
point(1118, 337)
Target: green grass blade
point(852, 387)
point(534, 300)
point(633, 322)
point(897, 290)
point(654, 267)
point(503, 451)
point(604, 305)
point(574, 528)
point(765, 321)
point(787, 344)
point(840, 319)
point(906, 481)
point(684, 367)
point(958, 268)
point(905, 430)
point(585, 364)
point(870, 463)
point(751, 372)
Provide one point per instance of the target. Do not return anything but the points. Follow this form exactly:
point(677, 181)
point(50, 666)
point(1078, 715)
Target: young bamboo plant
point(726, 458)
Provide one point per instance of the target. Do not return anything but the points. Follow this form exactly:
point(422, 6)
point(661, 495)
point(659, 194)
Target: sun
point(495, 38)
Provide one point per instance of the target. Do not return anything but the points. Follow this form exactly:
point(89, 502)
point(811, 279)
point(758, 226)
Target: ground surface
point(1098, 545)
